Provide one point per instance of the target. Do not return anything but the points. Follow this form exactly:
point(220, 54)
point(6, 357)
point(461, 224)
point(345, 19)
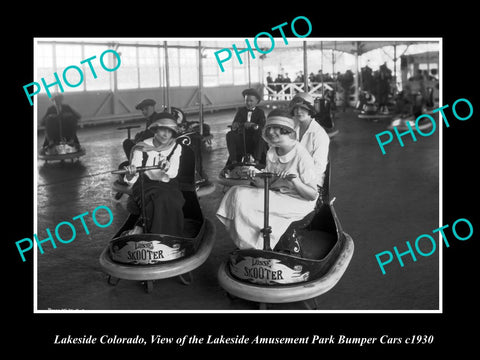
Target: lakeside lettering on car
point(150, 250)
point(261, 272)
point(270, 271)
point(142, 249)
point(145, 255)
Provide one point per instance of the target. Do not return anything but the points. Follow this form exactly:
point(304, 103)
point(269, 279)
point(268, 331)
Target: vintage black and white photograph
point(285, 174)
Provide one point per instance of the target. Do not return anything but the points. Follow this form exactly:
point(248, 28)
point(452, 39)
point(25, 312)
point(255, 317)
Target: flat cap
point(145, 103)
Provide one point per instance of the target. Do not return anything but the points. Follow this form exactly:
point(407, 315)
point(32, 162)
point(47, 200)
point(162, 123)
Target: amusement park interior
point(381, 200)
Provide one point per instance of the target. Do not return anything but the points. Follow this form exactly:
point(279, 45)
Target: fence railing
point(286, 91)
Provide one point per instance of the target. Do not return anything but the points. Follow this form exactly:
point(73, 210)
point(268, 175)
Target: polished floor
point(382, 201)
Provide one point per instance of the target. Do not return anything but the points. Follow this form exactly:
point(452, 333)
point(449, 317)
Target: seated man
point(147, 107)
point(60, 123)
point(245, 137)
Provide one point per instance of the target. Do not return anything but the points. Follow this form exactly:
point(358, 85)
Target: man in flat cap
point(147, 107)
point(245, 136)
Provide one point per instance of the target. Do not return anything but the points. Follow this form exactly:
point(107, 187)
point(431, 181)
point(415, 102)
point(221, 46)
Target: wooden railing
point(286, 91)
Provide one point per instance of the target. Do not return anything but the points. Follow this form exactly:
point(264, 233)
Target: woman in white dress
point(161, 192)
point(310, 133)
point(241, 209)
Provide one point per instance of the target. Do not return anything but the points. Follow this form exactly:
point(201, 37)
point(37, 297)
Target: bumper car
point(202, 130)
point(408, 120)
point(61, 152)
point(61, 141)
point(316, 257)
point(236, 172)
point(198, 137)
point(148, 257)
point(370, 110)
point(205, 136)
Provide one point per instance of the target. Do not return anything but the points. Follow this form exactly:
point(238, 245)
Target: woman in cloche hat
point(309, 132)
point(163, 198)
point(241, 209)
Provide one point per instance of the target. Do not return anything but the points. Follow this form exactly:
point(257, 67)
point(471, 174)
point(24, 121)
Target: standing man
point(147, 107)
point(270, 87)
point(269, 78)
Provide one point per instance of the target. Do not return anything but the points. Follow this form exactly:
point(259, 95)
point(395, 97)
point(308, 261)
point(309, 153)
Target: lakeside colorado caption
point(244, 340)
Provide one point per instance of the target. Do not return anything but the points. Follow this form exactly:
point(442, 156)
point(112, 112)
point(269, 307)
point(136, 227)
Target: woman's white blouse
point(154, 158)
point(316, 141)
point(297, 161)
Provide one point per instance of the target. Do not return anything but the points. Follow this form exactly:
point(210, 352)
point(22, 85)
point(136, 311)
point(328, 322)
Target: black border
point(451, 329)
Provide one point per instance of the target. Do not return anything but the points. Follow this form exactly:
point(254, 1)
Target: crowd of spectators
point(300, 78)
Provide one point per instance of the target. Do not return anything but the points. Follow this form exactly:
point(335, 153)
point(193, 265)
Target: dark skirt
point(163, 206)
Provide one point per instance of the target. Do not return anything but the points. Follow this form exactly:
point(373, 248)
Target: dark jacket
point(66, 112)
point(258, 117)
